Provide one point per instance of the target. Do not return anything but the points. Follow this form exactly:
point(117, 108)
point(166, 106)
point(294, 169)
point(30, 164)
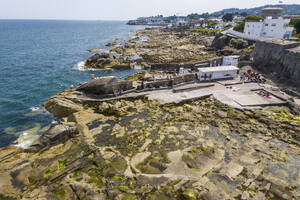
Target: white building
point(230, 60)
point(269, 28)
point(217, 73)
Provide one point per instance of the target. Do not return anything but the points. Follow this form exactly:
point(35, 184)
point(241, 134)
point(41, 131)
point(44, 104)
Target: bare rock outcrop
point(105, 85)
point(56, 134)
point(281, 57)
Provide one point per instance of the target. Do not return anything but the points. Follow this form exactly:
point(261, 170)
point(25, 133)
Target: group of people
point(253, 77)
point(264, 93)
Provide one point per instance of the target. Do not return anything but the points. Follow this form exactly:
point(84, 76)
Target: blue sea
point(39, 58)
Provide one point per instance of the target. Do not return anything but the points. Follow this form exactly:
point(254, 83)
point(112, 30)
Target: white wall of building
point(230, 60)
point(269, 28)
point(275, 28)
point(253, 29)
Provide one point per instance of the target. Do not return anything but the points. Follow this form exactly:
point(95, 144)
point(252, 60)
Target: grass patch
point(61, 164)
point(109, 111)
point(59, 193)
point(48, 172)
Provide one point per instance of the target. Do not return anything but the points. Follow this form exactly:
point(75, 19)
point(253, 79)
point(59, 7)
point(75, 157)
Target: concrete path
point(239, 96)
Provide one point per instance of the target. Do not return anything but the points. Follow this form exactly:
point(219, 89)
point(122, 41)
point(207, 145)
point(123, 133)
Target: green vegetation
point(77, 174)
point(124, 187)
point(61, 164)
point(95, 177)
point(59, 193)
point(136, 77)
point(93, 49)
point(91, 156)
point(109, 111)
point(48, 172)
point(118, 178)
point(296, 24)
point(3, 197)
point(129, 197)
point(212, 23)
point(238, 43)
point(85, 106)
point(208, 32)
point(228, 17)
point(252, 18)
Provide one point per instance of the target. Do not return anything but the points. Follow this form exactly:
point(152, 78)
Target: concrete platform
point(242, 96)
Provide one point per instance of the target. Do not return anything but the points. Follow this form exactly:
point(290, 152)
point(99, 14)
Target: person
point(71, 86)
point(143, 86)
point(93, 76)
point(210, 76)
point(121, 91)
point(241, 77)
point(205, 77)
point(115, 93)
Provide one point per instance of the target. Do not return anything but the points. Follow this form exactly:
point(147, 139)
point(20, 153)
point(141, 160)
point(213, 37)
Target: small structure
point(183, 71)
point(274, 12)
point(230, 60)
point(217, 73)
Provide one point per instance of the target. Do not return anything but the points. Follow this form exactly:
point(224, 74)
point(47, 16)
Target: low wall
point(176, 66)
point(170, 83)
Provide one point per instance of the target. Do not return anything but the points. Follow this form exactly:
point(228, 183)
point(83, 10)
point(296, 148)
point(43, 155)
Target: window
point(248, 33)
point(274, 24)
point(266, 24)
point(264, 33)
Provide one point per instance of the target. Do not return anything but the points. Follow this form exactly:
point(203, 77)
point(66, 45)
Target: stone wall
point(176, 66)
point(169, 83)
point(280, 57)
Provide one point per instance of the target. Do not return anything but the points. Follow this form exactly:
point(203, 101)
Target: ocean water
point(39, 58)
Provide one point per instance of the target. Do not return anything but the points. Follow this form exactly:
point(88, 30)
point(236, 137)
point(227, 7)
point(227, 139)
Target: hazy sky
point(117, 9)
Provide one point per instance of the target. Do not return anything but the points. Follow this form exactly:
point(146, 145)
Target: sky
point(117, 9)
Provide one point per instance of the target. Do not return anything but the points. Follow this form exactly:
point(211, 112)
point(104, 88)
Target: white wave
point(36, 109)
point(79, 66)
point(26, 139)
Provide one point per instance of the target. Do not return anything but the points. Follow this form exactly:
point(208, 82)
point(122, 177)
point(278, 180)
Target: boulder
point(61, 107)
point(56, 134)
point(105, 85)
point(220, 42)
point(100, 59)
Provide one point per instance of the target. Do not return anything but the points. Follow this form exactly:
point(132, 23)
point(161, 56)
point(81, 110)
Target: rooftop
point(218, 69)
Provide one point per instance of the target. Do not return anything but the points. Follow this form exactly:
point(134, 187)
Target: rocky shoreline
point(139, 148)
point(153, 46)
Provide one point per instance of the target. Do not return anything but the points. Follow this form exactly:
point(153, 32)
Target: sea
point(39, 58)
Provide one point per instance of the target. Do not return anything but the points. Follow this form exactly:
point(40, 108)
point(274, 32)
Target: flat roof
point(218, 69)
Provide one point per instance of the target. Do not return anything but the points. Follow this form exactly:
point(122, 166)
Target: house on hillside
point(273, 26)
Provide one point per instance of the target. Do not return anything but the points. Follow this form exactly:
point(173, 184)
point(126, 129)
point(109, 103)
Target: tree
point(297, 27)
point(253, 18)
point(296, 24)
point(244, 14)
point(240, 27)
point(227, 17)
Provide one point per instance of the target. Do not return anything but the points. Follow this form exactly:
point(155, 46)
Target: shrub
point(238, 43)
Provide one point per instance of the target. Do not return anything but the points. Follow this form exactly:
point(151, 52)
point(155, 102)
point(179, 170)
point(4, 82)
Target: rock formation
point(56, 134)
point(105, 60)
point(143, 149)
point(281, 57)
point(105, 85)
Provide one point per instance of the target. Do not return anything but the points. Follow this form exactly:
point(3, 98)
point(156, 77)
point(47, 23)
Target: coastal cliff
point(280, 57)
